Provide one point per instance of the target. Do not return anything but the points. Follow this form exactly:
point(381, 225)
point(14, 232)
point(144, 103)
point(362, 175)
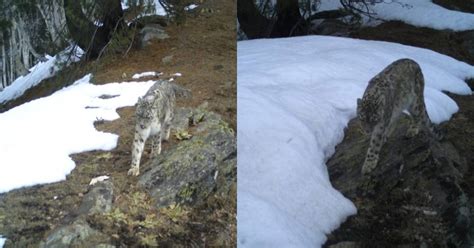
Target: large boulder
point(190, 171)
point(414, 198)
point(152, 32)
point(187, 172)
point(77, 232)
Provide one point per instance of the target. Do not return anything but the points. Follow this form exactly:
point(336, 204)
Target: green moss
point(183, 135)
point(148, 240)
point(224, 126)
point(150, 222)
point(117, 216)
point(199, 117)
point(175, 212)
point(89, 168)
point(104, 156)
point(187, 192)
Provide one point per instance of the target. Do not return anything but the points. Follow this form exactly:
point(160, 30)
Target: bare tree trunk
point(89, 37)
point(251, 21)
point(288, 22)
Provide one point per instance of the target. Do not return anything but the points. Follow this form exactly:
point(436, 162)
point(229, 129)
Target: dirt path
point(204, 52)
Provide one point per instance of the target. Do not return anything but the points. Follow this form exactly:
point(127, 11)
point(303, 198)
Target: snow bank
point(39, 72)
point(38, 136)
point(422, 13)
point(2, 241)
point(295, 96)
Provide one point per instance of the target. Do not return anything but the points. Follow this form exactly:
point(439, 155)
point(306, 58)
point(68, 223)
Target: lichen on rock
point(188, 172)
point(414, 198)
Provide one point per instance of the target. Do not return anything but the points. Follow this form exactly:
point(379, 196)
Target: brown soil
point(204, 51)
point(442, 41)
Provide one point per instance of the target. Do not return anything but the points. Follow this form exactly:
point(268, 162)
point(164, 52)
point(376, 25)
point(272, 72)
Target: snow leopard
point(154, 113)
point(397, 88)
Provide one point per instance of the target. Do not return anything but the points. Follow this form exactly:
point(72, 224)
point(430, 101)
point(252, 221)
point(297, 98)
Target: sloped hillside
point(125, 211)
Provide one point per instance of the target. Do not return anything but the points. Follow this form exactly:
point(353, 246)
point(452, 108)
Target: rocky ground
point(186, 197)
point(421, 193)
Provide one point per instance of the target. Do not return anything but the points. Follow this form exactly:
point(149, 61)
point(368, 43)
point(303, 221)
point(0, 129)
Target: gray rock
point(167, 60)
point(78, 233)
point(345, 244)
point(332, 27)
point(414, 196)
point(152, 32)
point(98, 199)
point(193, 169)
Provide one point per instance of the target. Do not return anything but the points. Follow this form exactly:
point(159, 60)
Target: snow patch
point(41, 71)
point(98, 179)
point(159, 10)
point(295, 97)
point(147, 74)
point(2, 241)
point(124, 4)
point(421, 13)
point(38, 136)
point(191, 7)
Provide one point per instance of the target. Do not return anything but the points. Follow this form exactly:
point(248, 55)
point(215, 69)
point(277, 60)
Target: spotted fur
point(154, 113)
point(397, 88)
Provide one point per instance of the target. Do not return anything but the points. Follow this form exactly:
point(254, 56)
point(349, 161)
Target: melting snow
point(98, 179)
point(39, 72)
point(146, 74)
point(38, 136)
point(422, 13)
point(190, 7)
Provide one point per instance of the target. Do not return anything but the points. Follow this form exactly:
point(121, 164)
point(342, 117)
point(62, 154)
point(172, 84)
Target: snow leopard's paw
point(134, 171)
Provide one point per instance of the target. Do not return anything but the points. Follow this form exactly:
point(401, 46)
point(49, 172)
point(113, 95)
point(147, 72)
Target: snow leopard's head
point(368, 114)
point(144, 112)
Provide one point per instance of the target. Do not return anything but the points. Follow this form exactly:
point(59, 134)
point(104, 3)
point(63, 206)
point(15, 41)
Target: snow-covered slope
point(295, 96)
point(422, 13)
point(38, 137)
point(39, 72)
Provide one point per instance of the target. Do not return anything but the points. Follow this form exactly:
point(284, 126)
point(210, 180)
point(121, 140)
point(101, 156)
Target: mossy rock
point(190, 171)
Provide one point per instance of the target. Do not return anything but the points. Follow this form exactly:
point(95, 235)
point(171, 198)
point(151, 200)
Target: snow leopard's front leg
point(156, 144)
point(377, 139)
point(137, 150)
